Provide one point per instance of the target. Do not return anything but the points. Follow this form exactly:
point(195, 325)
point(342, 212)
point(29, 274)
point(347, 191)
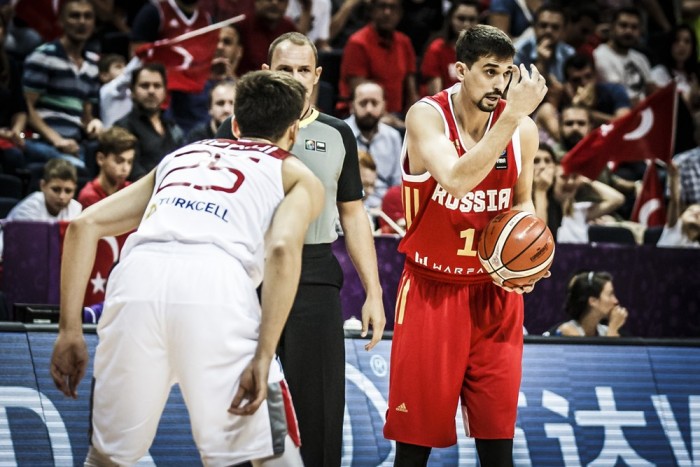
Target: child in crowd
point(115, 157)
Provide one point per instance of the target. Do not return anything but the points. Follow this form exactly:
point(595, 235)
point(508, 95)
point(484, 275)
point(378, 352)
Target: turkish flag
point(40, 15)
point(649, 209)
point(646, 132)
point(187, 58)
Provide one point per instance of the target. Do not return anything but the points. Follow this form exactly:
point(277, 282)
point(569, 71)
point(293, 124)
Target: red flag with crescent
point(649, 209)
point(646, 132)
point(187, 58)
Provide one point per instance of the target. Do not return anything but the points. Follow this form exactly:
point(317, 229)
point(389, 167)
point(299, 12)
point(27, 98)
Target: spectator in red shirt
point(380, 53)
point(259, 29)
point(438, 66)
point(115, 157)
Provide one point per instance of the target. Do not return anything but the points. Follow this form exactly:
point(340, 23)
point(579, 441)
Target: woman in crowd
point(590, 299)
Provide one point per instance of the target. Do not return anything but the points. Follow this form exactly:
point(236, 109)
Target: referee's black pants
point(312, 351)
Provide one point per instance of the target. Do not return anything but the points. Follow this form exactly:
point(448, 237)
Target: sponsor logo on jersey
point(502, 162)
point(402, 408)
point(313, 145)
point(196, 205)
point(474, 201)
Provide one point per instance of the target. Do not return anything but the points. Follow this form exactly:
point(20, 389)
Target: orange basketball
point(516, 248)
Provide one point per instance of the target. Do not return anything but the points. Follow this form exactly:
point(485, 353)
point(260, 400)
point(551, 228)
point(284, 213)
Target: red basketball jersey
point(173, 21)
point(442, 231)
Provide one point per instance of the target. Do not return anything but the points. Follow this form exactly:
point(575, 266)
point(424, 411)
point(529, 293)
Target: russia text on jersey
point(474, 201)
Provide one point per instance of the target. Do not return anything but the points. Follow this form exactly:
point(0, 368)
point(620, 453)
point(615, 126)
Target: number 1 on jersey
point(468, 250)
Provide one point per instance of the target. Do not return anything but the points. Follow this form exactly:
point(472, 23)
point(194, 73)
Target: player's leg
point(312, 352)
point(430, 348)
point(213, 331)
point(495, 452)
point(491, 386)
point(411, 455)
point(132, 376)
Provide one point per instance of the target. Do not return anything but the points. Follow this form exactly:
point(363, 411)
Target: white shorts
point(186, 314)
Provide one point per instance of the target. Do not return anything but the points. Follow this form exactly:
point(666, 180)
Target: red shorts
point(454, 342)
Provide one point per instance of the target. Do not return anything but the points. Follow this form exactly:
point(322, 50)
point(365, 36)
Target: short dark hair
point(59, 169)
point(483, 41)
point(64, 3)
point(115, 140)
point(627, 10)
point(581, 287)
point(295, 38)
point(268, 103)
point(552, 8)
point(577, 61)
point(155, 67)
point(107, 60)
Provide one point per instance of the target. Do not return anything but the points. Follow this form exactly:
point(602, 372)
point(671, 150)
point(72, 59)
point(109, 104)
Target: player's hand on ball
point(253, 388)
point(521, 290)
point(68, 362)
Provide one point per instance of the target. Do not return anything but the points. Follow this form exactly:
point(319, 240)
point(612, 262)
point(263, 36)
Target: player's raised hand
point(68, 362)
point(526, 91)
point(253, 388)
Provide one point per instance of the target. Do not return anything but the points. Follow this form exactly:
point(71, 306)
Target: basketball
point(516, 248)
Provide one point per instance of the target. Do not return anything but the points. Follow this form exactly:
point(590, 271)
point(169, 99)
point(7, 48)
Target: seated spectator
point(54, 200)
point(375, 137)
point(158, 20)
point(61, 87)
point(259, 29)
point(590, 299)
point(115, 93)
point(604, 101)
point(514, 17)
point(682, 227)
point(224, 66)
point(392, 207)
point(115, 157)
point(438, 64)
point(220, 108)
point(313, 19)
point(546, 48)
point(617, 61)
point(380, 53)
point(368, 175)
point(583, 18)
point(13, 112)
point(544, 174)
point(156, 135)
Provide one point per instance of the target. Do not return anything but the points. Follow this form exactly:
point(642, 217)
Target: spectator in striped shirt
point(61, 86)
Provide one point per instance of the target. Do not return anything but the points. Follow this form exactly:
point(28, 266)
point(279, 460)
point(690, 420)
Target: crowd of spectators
point(72, 77)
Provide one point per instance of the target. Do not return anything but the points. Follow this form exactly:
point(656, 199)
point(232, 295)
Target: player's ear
point(460, 69)
point(235, 128)
point(265, 66)
point(293, 132)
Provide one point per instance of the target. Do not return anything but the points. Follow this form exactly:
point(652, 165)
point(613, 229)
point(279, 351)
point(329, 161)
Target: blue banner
point(580, 404)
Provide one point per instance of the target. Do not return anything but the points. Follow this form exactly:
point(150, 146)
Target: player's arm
point(283, 245)
point(114, 215)
point(522, 198)
point(430, 149)
point(360, 245)
point(529, 143)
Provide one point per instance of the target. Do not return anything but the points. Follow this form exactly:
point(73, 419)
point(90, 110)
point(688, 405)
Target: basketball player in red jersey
point(457, 335)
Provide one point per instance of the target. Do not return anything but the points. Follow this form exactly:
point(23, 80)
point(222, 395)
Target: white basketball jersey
point(217, 192)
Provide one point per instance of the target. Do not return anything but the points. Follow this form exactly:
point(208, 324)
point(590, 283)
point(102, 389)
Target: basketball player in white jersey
point(214, 219)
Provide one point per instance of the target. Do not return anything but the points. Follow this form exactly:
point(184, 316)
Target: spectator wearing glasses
point(438, 65)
